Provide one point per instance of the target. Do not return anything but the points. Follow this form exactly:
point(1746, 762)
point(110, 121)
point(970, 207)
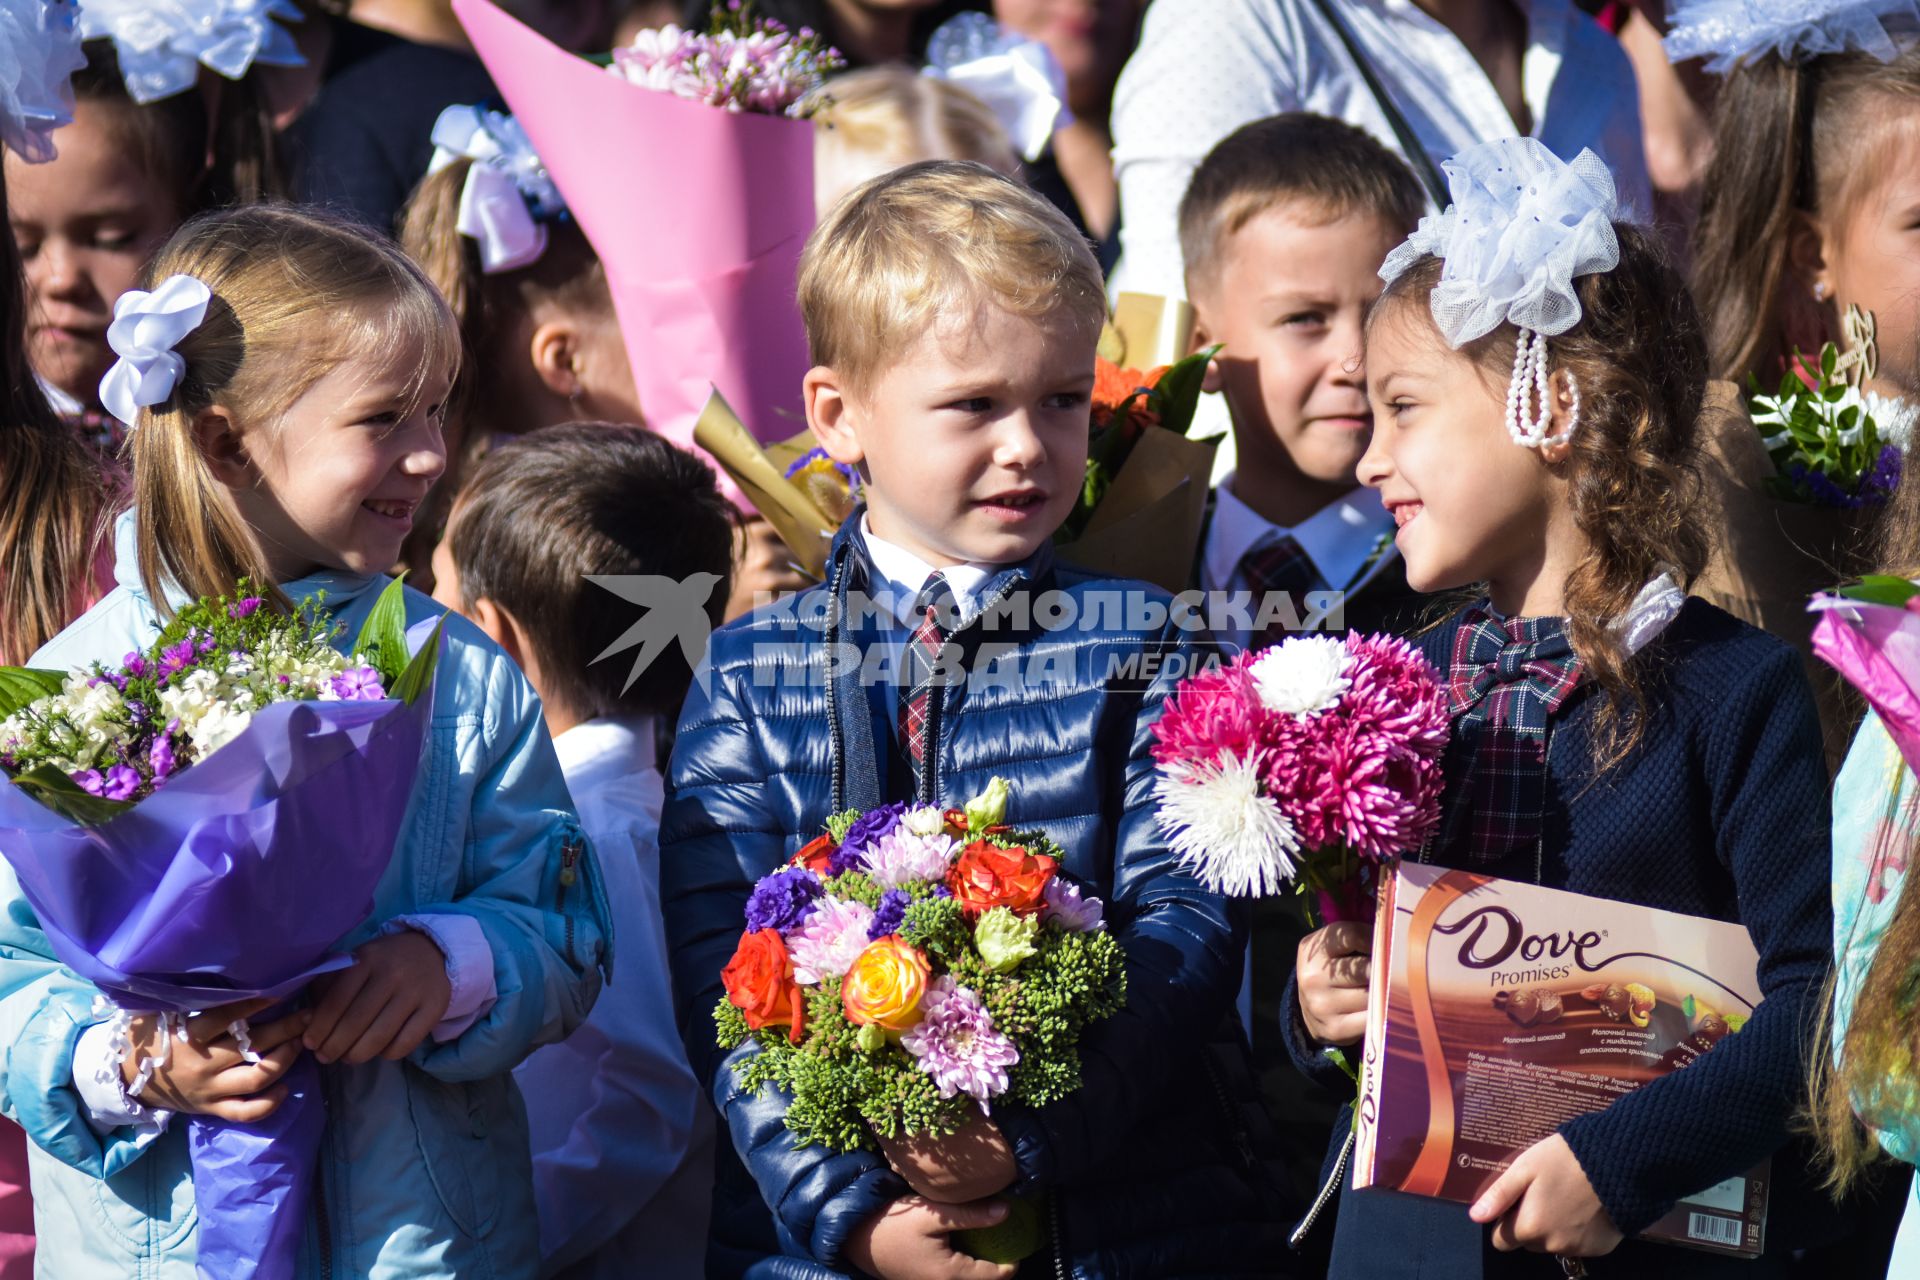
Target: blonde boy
point(952, 317)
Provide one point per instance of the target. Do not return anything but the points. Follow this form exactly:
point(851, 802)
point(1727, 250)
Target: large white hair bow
point(39, 50)
point(145, 330)
point(1019, 79)
point(162, 44)
point(1730, 33)
point(508, 191)
point(1522, 226)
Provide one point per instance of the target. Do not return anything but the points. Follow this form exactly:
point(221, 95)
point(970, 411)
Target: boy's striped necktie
point(922, 657)
point(1278, 563)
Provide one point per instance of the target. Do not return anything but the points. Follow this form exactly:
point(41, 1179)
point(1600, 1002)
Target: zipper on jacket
point(836, 744)
point(1053, 1228)
point(1228, 1113)
point(1327, 1192)
point(571, 848)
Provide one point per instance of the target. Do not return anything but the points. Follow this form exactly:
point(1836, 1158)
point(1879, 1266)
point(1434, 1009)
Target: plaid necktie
point(1507, 678)
point(1277, 563)
point(934, 602)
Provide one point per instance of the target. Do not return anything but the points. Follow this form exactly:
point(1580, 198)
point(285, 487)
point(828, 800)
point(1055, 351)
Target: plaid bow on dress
point(1507, 678)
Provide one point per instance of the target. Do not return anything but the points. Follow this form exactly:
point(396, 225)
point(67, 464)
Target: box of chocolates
point(1501, 1010)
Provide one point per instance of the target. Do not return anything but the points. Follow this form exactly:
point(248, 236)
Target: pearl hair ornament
point(1532, 385)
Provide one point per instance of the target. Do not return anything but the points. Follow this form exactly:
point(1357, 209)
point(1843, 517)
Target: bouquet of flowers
point(739, 63)
point(1308, 763)
point(201, 824)
point(703, 282)
point(1870, 634)
point(1825, 434)
point(912, 965)
point(1143, 500)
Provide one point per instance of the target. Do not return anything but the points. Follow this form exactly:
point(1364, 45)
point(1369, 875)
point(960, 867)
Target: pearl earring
point(1531, 386)
point(1819, 290)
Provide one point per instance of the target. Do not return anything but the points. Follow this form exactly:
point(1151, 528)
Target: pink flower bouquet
point(1870, 633)
point(1306, 764)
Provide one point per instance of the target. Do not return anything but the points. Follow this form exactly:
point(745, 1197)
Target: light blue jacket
point(1873, 833)
point(425, 1169)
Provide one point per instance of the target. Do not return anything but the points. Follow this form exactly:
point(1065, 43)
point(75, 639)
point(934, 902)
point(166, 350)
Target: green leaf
point(383, 636)
point(1178, 390)
point(418, 676)
point(1879, 588)
point(63, 795)
point(21, 686)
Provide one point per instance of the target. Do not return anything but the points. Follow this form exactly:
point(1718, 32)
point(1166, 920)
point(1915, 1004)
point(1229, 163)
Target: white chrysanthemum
point(1215, 819)
point(1302, 676)
point(189, 698)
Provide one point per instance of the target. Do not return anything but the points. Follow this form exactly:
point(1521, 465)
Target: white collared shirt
point(621, 1136)
point(902, 574)
point(1348, 540)
point(1203, 68)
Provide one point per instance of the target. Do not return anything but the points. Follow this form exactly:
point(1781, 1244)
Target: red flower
point(816, 855)
point(986, 876)
point(1113, 386)
point(760, 984)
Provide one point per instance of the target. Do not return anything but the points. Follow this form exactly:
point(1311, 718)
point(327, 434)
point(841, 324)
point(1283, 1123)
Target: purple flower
point(161, 756)
point(783, 899)
point(119, 783)
point(243, 608)
point(829, 940)
point(901, 857)
point(956, 1043)
point(1066, 907)
point(207, 643)
point(1878, 484)
point(863, 835)
point(117, 681)
point(135, 666)
point(941, 891)
point(357, 684)
point(892, 911)
point(176, 658)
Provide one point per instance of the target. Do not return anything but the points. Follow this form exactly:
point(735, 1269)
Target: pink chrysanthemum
point(956, 1043)
point(1393, 691)
point(1354, 787)
point(829, 941)
point(1213, 713)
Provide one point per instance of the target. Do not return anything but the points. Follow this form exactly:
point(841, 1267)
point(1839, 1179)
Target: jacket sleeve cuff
point(1032, 1150)
point(1309, 1055)
point(469, 967)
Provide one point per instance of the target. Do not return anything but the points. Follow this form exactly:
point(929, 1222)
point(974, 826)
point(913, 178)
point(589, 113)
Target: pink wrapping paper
point(1877, 648)
point(698, 215)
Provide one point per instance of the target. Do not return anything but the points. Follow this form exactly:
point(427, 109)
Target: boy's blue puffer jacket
point(1144, 1163)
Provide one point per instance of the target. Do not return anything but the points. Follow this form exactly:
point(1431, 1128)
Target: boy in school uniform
point(953, 318)
point(1284, 228)
point(622, 1139)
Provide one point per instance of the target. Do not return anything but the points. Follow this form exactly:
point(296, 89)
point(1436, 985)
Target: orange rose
point(885, 985)
point(986, 875)
point(816, 855)
point(1113, 386)
point(760, 984)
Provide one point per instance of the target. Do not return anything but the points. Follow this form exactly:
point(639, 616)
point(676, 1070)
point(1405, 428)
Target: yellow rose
point(884, 986)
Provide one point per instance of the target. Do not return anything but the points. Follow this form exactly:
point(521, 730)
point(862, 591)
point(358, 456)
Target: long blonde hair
point(295, 294)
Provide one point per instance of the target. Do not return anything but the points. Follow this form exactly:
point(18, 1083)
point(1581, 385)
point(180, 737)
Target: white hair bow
point(508, 191)
point(39, 50)
point(162, 44)
point(1730, 33)
point(1019, 79)
point(1523, 224)
point(145, 330)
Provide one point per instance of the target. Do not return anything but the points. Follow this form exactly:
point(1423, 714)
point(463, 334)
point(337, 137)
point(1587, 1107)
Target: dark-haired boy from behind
point(622, 1139)
point(1283, 229)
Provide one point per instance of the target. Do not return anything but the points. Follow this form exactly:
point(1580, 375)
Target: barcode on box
point(1714, 1229)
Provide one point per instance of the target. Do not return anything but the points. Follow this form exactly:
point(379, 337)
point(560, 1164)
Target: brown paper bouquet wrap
point(1768, 556)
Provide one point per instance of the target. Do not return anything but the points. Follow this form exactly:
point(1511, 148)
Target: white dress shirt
point(1349, 540)
point(622, 1139)
point(901, 575)
point(1205, 67)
